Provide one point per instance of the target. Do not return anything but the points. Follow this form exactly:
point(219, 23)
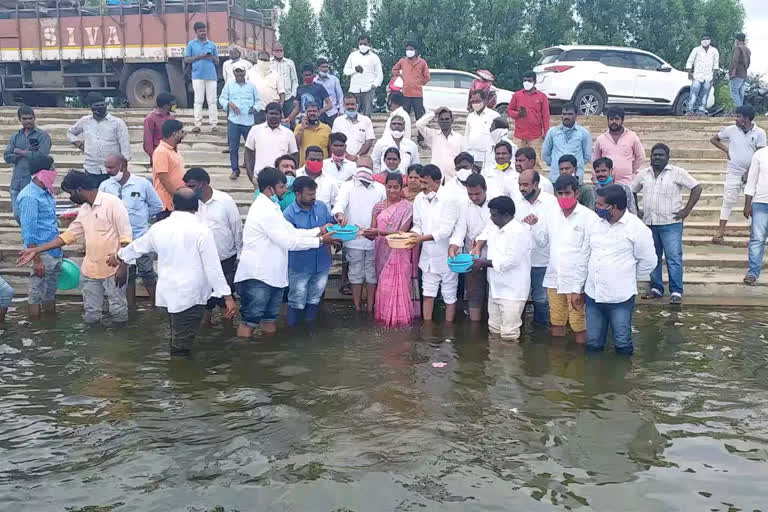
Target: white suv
point(595, 76)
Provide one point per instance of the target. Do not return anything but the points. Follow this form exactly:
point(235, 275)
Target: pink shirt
point(628, 154)
point(104, 226)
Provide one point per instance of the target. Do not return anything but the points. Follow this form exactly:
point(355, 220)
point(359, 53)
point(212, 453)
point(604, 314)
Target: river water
point(352, 417)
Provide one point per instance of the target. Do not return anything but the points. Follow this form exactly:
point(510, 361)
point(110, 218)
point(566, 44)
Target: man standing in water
point(188, 268)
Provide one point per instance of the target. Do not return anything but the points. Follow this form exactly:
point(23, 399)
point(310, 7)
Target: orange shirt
point(415, 75)
point(104, 225)
point(167, 160)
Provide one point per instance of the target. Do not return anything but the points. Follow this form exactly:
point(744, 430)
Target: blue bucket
point(461, 263)
point(343, 233)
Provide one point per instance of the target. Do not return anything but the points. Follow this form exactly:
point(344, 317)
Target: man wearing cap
point(445, 143)
point(241, 100)
point(354, 205)
point(36, 207)
point(227, 69)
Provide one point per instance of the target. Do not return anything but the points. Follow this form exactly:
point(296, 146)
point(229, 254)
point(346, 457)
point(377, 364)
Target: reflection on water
point(357, 418)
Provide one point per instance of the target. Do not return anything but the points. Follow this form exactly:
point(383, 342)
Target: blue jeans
point(259, 302)
point(14, 209)
point(736, 85)
point(234, 133)
point(668, 240)
point(758, 232)
point(699, 91)
point(601, 315)
point(539, 296)
point(6, 294)
point(306, 288)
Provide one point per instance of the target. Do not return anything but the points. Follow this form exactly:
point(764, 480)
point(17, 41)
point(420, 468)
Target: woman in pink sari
point(394, 268)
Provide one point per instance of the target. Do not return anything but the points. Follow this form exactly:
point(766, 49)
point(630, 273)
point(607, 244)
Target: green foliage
point(723, 97)
point(300, 32)
point(264, 4)
point(342, 22)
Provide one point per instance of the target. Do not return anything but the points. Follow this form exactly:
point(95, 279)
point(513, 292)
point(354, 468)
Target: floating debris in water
point(27, 342)
point(7, 349)
point(439, 365)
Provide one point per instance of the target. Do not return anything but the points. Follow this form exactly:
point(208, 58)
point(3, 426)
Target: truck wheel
point(143, 86)
point(589, 102)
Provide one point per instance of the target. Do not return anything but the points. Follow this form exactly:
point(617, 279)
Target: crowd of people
point(574, 247)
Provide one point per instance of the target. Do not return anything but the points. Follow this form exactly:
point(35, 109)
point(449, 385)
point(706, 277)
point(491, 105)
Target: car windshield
point(549, 56)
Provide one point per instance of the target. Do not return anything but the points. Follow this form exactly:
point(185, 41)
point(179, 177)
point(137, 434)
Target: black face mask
point(313, 121)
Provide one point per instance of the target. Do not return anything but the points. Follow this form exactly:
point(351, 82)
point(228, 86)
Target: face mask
point(118, 176)
point(290, 179)
point(477, 107)
point(606, 181)
point(363, 48)
point(313, 122)
point(309, 79)
point(173, 108)
point(352, 114)
point(198, 194)
point(530, 194)
point(397, 134)
point(323, 74)
point(313, 167)
point(502, 167)
point(566, 203)
point(430, 195)
point(527, 85)
point(274, 199)
point(603, 213)
point(705, 43)
point(410, 53)
point(264, 66)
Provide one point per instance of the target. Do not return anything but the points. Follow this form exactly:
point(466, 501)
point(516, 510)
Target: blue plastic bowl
point(343, 233)
point(462, 263)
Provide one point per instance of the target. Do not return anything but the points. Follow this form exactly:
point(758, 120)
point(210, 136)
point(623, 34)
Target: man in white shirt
point(188, 269)
point(702, 63)
point(364, 68)
point(503, 176)
point(445, 143)
point(357, 127)
point(619, 251)
point(564, 231)
point(662, 185)
point(267, 82)
point(395, 104)
point(327, 186)
point(262, 273)
point(338, 166)
point(756, 207)
point(218, 211)
point(234, 58)
point(409, 151)
point(286, 68)
point(473, 220)
point(477, 132)
point(436, 213)
point(744, 138)
point(509, 263)
point(532, 204)
point(268, 141)
point(354, 205)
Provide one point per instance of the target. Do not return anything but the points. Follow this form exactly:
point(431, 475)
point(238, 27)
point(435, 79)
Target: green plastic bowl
point(69, 279)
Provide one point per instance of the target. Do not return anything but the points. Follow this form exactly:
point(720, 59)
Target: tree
point(342, 22)
point(299, 31)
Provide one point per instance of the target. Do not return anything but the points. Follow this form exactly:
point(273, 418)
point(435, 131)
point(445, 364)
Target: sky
point(755, 26)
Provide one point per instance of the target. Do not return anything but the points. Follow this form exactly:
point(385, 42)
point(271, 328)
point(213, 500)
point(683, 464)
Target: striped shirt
point(287, 70)
point(662, 195)
point(101, 137)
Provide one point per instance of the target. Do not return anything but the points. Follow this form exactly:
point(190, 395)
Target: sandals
point(750, 280)
point(653, 293)
point(717, 239)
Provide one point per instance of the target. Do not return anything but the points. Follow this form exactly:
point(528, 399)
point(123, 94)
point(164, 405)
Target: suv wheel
point(589, 102)
point(681, 107)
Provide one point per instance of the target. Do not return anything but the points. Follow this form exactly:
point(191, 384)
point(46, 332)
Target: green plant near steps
point(723, 97)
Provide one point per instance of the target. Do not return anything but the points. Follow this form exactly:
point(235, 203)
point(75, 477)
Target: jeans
point(205, 90)
point(736, 85)
point(601, 315)
point(699, 91)
point(144, 269)
point(539, 296)
point(234, 133)
point(758, 232)
point(14, 194)
point(306, 288)
point(6, 294)
point(259, 302)
point(184, 327)
point(668, 240)
point(365, 101)
point(93, 299)
point(43, 289)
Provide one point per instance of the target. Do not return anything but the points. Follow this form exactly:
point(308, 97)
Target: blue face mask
point(352, 114)
point(274, 199)
point(289, 182)
point(603, 213)
point(605, 182)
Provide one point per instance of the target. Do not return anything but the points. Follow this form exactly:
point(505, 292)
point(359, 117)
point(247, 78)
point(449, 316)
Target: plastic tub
point(69, 279)
point(462, 263)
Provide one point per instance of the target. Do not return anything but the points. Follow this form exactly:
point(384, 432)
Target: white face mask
point(118, 176)
point(477, 107)
point(705, 43)
point(397, 134)
point(527, 85)
point(363, 48)
point(498, 134)
point(410, 53)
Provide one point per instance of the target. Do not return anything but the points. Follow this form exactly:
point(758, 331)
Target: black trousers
point(415, 105)
point(184, 327)
point(228, 267)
